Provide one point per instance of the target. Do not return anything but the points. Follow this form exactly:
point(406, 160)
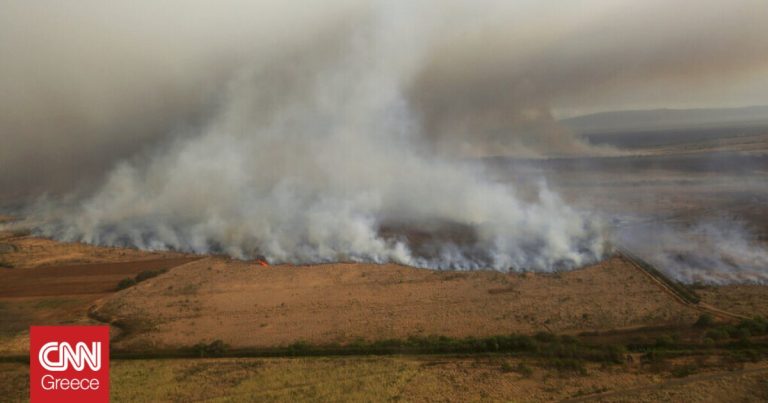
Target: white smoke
point(314, 152)
point(713, 251)
point(92, 82)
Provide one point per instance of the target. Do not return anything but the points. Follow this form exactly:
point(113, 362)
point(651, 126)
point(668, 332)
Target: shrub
point(683, 371)
point(216, 348)
point(125, 283)
point(716, 334)
point(731, 331)
point(145, 275)
point(746, 355)
point(520, 368)
point(523, 370)
point(615, 354)
point(755, 326)
point(656, 361)
point(664, 341)
point(743, 333)
point(545, 337)
point(568, 339)
point(705, 320)
point(299, 347)
point(507, 367)
point(653, 356)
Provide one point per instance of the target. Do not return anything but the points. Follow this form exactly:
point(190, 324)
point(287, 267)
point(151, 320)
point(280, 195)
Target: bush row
point(145, 275)
point(741, 331)
point(542, 344)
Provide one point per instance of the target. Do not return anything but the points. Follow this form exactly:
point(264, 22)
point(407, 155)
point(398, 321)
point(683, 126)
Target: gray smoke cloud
point(325, 133)
point(713, 251)
point(311, 155)
point(503, 72)
point(87, 84)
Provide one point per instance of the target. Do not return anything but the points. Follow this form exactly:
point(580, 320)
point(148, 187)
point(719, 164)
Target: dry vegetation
point(744, 299)
point(245, 304)
point(46, 282)
point(407, 379)
point(231, 306)
point(20, 250)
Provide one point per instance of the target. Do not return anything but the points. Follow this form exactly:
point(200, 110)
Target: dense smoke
point(329, 133)
point(311, 155)
point(90, 83)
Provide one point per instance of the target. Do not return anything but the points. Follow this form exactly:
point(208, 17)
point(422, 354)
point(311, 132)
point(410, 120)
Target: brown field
point(248, 305)
point(24, 251)
point(76, 279)
point(47, 283)
point(744, 299)
point(245, 304)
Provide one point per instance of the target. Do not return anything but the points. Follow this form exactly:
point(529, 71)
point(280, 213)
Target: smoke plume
point(327, 133)
point(88, 84)
point(312, 154)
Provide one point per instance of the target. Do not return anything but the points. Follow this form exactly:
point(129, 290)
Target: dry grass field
point(402, 378)
point(745, 299)
point(48, 282)
point(245, 304)
point(19, 250)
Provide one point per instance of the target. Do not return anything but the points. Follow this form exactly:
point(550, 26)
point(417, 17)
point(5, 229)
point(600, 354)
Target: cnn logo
point(69, 363)
point(77, 357)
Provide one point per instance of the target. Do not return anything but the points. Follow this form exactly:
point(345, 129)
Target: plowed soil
point(67, 280)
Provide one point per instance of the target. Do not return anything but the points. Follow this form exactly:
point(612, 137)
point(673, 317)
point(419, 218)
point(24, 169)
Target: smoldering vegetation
point(698, 216)
point(340, 131)
point(715, 251)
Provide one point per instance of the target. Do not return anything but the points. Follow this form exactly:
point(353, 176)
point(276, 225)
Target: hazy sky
point(85, 84)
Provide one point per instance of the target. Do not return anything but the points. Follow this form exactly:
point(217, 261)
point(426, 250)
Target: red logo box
point(69, 364)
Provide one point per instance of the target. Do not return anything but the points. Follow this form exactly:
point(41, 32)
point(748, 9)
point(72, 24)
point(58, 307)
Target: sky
point(85, 85)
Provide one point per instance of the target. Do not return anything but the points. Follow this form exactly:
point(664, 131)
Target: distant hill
point(664, 119)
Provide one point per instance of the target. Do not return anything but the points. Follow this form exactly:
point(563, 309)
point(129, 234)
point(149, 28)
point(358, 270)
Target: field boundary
point(675, 289)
